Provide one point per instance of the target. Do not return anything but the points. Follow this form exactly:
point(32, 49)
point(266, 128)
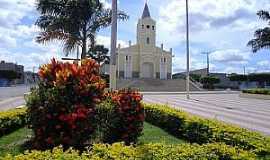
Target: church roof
point(146, 12)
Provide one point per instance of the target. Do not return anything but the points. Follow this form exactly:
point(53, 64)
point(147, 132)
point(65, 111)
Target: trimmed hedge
point(200, 130)
point(257, 91)
point(12, 120)
point(118, 151)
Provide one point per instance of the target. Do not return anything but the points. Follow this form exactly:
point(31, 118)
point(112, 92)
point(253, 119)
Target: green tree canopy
point(259, 77)
point(99, 53)
point(238, 77)
point(73, 22)
point(209, 81)
point(10, 75)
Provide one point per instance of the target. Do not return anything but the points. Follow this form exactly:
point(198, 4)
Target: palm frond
point(261, 40)
point(264, 15)
point(51, 35)
point(51, 7)
point(70, 45)
point(103, 19)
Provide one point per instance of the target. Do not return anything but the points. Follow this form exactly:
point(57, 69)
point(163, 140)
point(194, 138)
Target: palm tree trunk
point(84, 44)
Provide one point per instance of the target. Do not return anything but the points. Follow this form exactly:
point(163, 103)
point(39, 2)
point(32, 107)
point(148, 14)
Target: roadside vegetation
point(257, 91)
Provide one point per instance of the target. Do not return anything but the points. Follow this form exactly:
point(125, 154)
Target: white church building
point(144, 59)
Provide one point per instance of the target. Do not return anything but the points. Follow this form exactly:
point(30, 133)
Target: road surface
point(252, 114)
point(11, 97)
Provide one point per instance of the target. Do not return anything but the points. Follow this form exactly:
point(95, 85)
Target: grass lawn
point(13, 142)
point(153, 134)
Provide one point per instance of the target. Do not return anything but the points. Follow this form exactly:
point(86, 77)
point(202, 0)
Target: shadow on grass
point(153, 134)
point(14, 143)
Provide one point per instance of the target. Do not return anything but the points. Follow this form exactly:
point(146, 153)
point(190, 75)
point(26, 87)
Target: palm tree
point(99, 53)
point(262, 36)
point(73, 22)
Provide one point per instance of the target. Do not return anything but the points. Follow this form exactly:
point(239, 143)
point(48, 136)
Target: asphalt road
point(11, 97)
point(252, 114)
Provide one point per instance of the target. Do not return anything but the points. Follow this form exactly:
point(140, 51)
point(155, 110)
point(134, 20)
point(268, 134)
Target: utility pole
point(113, 46)
point(208, 62)
point(187, 47)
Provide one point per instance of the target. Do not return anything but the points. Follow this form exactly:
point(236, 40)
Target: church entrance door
point(147, 70)
point(163, 73)
point(128, 67)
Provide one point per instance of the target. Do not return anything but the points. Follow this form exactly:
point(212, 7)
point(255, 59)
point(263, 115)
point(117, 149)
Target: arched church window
point(153, 27)
point(148, 40)
point(164, 60)
point(142, 26)
point(126, 58)
point(148, 26)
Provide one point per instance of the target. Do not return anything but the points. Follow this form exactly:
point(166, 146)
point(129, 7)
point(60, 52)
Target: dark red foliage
point(62, 108)
point(129, 116)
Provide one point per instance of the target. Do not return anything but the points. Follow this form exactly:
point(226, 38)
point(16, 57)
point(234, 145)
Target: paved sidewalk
point(252, 114)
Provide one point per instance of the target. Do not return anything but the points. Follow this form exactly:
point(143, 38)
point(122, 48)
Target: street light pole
point(208, 62)
point(113, 46)
point(187, 47)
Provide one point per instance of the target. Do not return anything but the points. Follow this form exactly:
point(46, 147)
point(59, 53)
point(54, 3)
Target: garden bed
point(171, 123)
point(13, 143)
point(199, 130)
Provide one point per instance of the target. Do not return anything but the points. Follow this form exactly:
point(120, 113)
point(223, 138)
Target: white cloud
point(106, 3)
point(106, 41)
point(206, 16)
point(12, 11)
point(234, 56)
point(7, 41)
point(264, 63)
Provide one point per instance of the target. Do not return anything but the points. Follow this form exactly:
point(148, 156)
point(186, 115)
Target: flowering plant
point(127, 122)
point(62, 108)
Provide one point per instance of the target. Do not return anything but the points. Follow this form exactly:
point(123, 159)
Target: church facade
point(144, 59)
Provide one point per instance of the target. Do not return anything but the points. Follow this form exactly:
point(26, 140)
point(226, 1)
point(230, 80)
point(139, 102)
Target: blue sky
point(221, 26)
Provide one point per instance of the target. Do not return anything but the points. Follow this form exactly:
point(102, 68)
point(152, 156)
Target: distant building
point(19, 69)
point(144, 59)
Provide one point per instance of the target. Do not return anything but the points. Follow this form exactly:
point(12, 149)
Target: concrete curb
point(184, 93)
point(254, 96)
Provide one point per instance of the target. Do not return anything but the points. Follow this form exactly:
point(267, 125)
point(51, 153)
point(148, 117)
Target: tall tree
point(262, 36)
point(99, 53)
point(73, 22)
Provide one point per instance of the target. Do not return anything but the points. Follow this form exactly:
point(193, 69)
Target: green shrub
point(199, 130)
point(150, 151)
point(209, 81)
point(11, 120)
point(238, 77)
point(257, 91)
point(125, 119)
point(61, 109)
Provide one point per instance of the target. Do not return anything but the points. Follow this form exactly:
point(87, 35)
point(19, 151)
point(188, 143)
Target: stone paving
point(252, 114)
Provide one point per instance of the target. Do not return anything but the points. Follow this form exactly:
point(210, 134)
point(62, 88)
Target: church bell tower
point(146, 29)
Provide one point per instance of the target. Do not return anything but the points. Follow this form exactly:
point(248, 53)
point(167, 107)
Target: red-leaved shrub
point(61, 109)
point(126, 121)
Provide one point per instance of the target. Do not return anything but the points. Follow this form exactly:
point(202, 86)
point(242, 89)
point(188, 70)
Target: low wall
point(254, 96)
